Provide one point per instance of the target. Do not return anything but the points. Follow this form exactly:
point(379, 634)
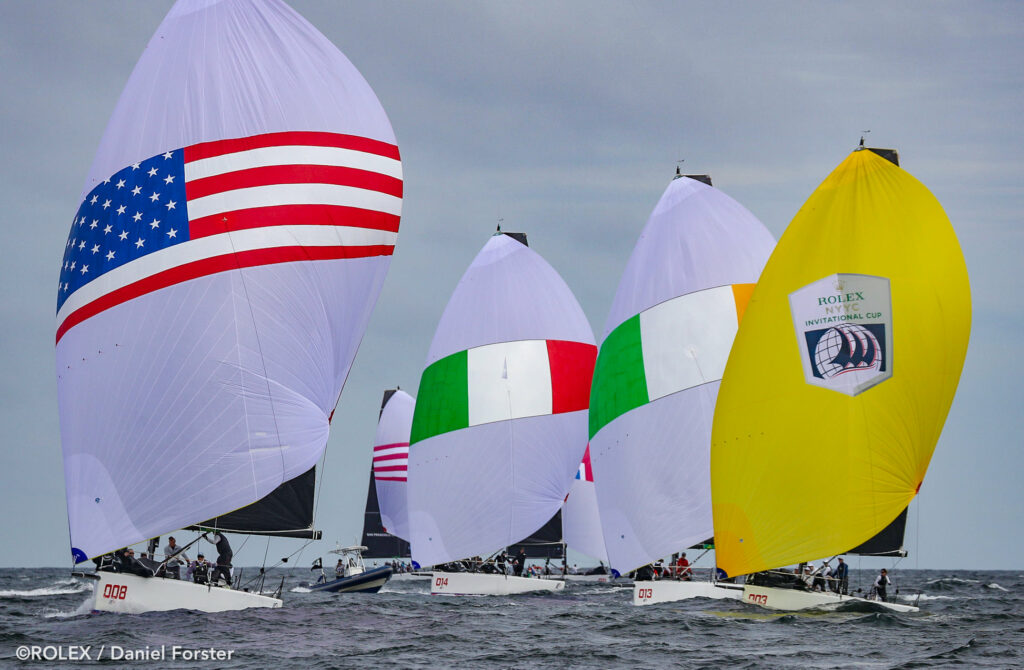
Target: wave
point(997, 587)
point(81, 610)
point(924, 596)
point(63, 587)
point(952, 580)
point(299, 589)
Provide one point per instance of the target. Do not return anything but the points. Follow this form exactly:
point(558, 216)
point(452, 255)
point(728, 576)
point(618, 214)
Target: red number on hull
point(441, 581)
point(115, 591)
point(644, 594)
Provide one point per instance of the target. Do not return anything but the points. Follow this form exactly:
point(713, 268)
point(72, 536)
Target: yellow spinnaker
point(842, 372)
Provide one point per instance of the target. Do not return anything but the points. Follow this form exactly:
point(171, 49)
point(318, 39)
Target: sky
point(566, 120)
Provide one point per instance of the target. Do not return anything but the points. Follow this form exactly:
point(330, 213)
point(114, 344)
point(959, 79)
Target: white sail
point(666, 343)
point(235, 229)
point(581, 519)
point(500, 421)
point(391, 462)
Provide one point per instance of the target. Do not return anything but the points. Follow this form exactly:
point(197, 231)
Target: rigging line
point(259, 348)
point(284, 560)
point(511, 453)
point(318, 488)
point(917, 535)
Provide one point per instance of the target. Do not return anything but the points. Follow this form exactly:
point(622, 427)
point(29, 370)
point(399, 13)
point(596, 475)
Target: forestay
point(842, 372)
point(234, 232)
point(666, 342)
point(500, 422)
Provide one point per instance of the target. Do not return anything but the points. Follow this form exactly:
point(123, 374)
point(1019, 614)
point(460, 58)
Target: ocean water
point(967, 619)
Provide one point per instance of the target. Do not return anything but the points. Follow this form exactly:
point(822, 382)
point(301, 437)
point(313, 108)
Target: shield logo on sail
point(844, 330)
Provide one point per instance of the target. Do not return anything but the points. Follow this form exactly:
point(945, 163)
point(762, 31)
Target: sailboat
point(386, 519)
point(581, 525)
point(385, 505)
point(500, 422)
point(840, 378)
point(234, 232)
point(667, 338)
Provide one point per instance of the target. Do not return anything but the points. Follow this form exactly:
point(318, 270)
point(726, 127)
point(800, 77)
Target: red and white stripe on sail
point(260, 200)
point(391, 462)
point(309, 177)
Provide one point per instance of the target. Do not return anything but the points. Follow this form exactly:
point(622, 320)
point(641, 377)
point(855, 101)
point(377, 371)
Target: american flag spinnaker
point(234, 232)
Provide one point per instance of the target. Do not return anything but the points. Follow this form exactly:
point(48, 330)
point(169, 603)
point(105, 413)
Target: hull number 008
point(115, 591)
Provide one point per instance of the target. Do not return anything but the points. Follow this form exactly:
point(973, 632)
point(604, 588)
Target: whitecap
point(993, 585)
point(952, 580)
point(84, 608)
point(925, 596)
point(60, 588)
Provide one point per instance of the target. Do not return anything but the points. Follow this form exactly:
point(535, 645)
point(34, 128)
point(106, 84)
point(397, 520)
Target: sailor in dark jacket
point(882, 584)
point(520, 562)
point(841, 577)
point(224, 556)
point(200, 570)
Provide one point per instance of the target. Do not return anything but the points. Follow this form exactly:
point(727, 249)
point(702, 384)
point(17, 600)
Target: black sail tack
point(546, 542)
point(379, 542)
point(888, 542)
point(286, 512)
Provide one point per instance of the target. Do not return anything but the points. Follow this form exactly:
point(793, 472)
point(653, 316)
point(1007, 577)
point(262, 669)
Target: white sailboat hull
point(792, 600)
point(131, 594)
point(648, 593)
point(479, 584)
point(410, 576)
point(598, 579)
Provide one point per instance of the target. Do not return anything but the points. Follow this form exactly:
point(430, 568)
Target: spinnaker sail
point(391, 462)
point(581, 521)
point(234, 232)
point(500, 422)
point(842, 372)
point(666, 342)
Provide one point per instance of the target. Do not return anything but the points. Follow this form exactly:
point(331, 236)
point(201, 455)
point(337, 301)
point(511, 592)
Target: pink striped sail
point(391, 462)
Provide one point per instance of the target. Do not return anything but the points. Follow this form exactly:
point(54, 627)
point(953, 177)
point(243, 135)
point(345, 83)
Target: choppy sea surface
point(967, 619)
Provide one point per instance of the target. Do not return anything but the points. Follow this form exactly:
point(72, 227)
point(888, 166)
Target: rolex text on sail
point(844, 331)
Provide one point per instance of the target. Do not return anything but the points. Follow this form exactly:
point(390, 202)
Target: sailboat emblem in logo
point(844, 329)
point(845, 348)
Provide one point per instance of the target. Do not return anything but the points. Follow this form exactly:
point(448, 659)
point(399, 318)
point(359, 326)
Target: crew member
point(881, 584)
point(842, 577)
point(174, 558)
point(224, 555)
